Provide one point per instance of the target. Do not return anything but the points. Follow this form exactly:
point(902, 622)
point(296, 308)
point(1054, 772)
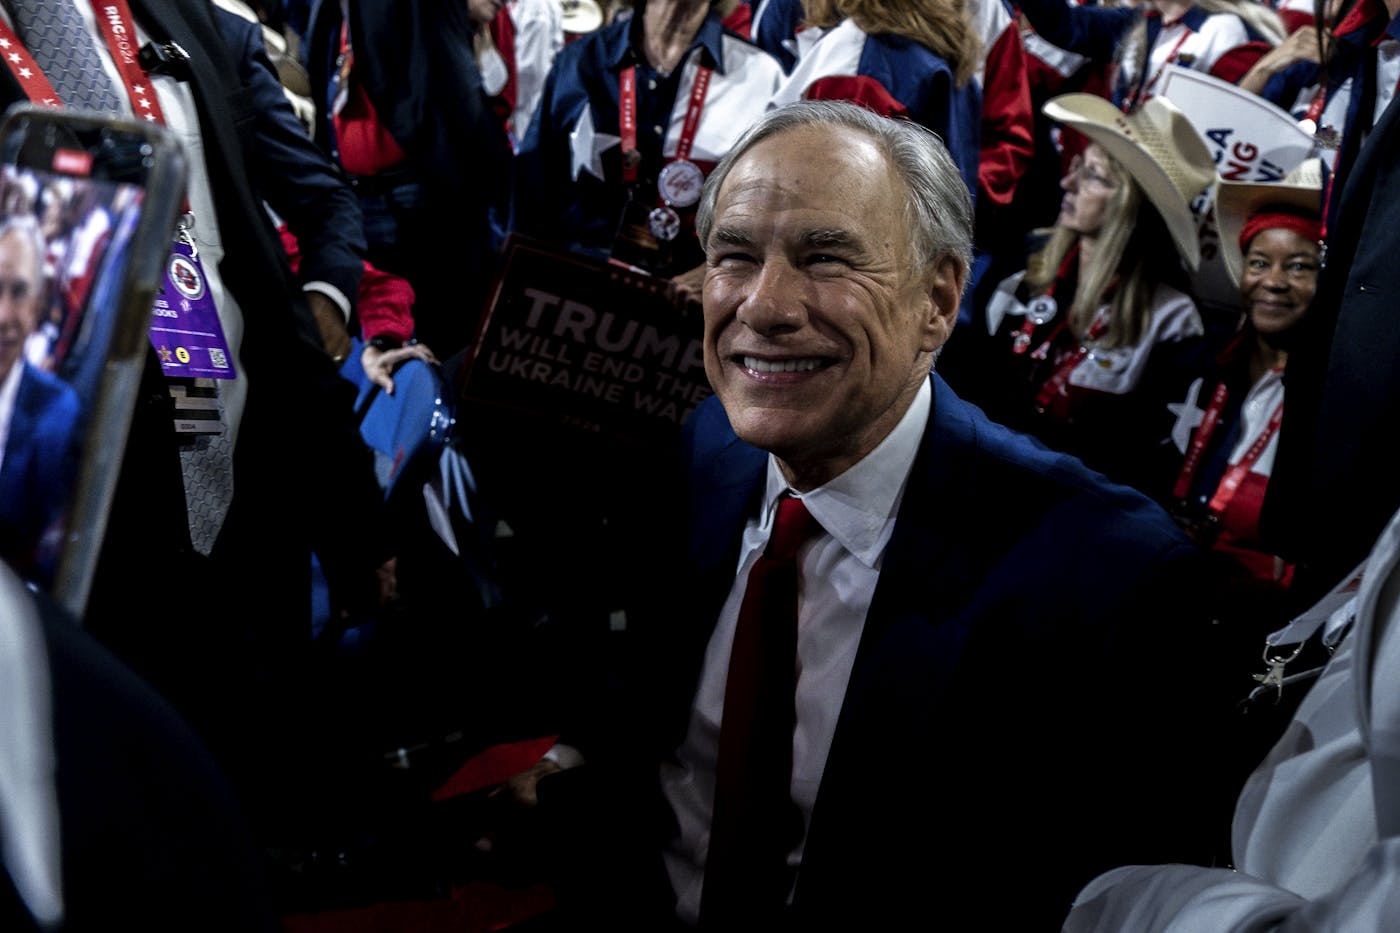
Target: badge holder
point(636, 243)
point(189, 340)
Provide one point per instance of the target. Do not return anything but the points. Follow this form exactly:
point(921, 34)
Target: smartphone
point(98, 198)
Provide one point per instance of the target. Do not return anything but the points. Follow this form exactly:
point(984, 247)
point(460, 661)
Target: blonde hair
point(943, 26)
point(1121, 267)
point(1134, 53)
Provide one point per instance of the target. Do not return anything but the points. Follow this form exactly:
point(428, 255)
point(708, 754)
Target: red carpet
point(474, 906)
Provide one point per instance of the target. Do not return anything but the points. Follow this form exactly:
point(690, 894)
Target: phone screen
point(83, 236)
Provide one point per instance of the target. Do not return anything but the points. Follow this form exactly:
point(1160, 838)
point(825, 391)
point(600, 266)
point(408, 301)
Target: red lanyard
point(31, 78)
point(693, 108)
point(1192, 463)
point(1021, 338)
point(1230, 483)
point(1055, 385)
point(1171, 57)
point(114, 21)
point(627, 118)
point(627, 123)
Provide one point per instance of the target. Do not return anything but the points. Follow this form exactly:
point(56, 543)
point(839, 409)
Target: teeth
point(781, 366)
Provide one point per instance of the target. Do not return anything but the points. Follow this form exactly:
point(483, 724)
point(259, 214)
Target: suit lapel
point(911, 642)
point(18, 456)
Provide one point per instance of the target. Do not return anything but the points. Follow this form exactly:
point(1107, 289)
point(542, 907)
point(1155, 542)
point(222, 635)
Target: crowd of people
point(969, 548)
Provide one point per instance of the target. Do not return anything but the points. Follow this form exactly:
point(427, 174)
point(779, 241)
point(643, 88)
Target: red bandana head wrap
point(1307, 224)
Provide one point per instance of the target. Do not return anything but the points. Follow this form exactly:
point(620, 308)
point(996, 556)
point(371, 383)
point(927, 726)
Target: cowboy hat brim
point(581, 16)
point(1143, 150)
point(1237, 201)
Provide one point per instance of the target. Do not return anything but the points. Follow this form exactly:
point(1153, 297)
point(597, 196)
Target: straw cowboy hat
point(1157, 145)
point(1237, 201)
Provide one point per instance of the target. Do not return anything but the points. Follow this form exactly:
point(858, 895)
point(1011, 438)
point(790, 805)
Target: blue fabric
point(40, 468)
point(416, 420)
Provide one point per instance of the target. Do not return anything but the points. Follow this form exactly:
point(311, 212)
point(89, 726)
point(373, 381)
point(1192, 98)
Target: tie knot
point(791, 529)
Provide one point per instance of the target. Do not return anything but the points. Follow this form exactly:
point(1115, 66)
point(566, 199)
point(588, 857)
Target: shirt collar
point(858, 507)
point(1193, 18)
point(625, 45)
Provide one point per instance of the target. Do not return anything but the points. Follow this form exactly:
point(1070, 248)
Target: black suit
point(292, 174)
point(219, 635)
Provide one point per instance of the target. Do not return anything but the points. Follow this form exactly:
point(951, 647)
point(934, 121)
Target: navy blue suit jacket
point(40, 466)
point(1030, 702)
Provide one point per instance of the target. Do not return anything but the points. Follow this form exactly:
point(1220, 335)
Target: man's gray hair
point(939, 212)
point(26, 226)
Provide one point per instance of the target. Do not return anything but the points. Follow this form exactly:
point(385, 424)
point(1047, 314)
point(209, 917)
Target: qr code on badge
point(217, 359)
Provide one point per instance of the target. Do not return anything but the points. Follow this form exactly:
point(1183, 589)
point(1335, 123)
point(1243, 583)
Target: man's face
point(19, 297)
point(819, 328)
point(483, 11)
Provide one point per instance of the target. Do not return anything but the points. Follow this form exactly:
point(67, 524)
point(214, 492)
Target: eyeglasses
point(1078, 167)
point(15, 289)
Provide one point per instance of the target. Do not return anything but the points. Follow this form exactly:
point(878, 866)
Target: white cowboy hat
point(1237, 201)
point(581, 16)
point(1157, 145)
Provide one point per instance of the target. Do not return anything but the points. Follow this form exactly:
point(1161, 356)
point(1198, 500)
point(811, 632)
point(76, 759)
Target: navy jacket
point(1031, 701)
point(40, 468)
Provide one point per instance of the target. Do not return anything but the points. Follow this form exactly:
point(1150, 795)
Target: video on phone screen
point(64, 242)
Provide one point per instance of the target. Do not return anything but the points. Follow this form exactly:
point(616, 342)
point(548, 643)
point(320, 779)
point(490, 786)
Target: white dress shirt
point(839, 569)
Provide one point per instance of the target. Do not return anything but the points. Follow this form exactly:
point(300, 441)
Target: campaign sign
point(585, 346)
point(1251, 140)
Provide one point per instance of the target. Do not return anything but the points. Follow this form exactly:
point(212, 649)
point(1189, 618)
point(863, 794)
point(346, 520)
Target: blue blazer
point(40, 466)
point(1010, 727)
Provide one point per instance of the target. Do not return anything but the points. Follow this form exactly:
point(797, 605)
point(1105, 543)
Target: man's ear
point(944, 279)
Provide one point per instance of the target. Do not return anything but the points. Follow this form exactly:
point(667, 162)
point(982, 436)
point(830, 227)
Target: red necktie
point(755, 823)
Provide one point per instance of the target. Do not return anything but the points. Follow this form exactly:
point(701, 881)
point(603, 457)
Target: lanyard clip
point(165, 58)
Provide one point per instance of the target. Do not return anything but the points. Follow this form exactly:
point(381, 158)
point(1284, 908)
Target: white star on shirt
point(4, 43)
point(1188, 416)
point(587, 146)
point(146, 102)
point(139, 90)
point(14, 57)
point(25, 73)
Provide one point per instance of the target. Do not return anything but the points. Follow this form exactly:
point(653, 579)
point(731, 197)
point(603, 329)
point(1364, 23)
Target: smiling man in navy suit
point(1001, 660)
point(40, 416)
